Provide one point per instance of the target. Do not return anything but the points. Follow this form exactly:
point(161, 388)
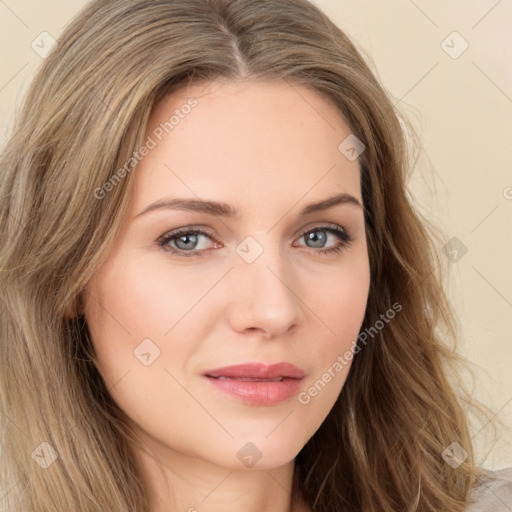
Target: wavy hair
point(380, 447)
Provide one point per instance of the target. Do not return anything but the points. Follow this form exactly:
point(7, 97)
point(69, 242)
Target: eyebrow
point(220, 209)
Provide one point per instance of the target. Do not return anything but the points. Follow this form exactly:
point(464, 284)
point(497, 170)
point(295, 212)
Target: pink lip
point(257, 383)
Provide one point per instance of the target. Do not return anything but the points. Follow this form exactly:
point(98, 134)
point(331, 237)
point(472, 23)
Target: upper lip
point(258, 371)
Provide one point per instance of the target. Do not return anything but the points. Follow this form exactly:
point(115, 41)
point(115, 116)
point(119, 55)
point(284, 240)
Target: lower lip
point(259, 392)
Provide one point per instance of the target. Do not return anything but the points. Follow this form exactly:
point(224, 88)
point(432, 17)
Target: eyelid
point(322, 224)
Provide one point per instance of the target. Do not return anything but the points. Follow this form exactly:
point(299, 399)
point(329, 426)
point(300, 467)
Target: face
point(189, 289)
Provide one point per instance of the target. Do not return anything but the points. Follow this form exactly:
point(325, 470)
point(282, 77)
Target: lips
point(256, 383)
point(257, 371)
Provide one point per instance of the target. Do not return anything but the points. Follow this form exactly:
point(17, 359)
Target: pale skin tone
point(268, 151)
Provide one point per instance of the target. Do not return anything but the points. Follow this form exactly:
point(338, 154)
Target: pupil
point(313, 237)
point(188, 237)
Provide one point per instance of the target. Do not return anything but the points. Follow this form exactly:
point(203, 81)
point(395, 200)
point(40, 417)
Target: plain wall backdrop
point(448, 64)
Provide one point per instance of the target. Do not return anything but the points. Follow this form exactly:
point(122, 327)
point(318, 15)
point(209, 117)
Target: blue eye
point(344, 237)
point(184, 237)
point(183, 242)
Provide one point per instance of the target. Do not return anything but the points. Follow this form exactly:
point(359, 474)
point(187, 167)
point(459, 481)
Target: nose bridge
point(265, 295)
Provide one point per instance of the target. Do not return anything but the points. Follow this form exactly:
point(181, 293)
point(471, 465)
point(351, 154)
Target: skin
point(268, 149)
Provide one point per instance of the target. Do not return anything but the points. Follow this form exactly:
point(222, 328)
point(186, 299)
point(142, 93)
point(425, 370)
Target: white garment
point(492, 493)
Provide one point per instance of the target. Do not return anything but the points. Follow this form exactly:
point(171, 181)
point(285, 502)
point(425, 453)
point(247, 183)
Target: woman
point(216, 294)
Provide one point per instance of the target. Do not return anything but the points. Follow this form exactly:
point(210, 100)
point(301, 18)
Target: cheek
point(128, 313)
point(340, 301)
point(340, 305)
point(129, 303)
point(143, 320)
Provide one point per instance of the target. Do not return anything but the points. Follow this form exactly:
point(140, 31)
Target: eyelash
point(169, 237)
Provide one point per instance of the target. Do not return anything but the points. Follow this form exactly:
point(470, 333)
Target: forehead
point(240, 141)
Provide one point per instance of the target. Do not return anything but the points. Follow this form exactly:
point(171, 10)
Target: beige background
point(461, 108)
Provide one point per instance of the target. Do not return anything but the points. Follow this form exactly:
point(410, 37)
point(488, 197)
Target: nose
point(264, 296)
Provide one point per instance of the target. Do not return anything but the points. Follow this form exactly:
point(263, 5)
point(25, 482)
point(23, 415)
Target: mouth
point(251, 379)
point(258, 371)
point(256, 383)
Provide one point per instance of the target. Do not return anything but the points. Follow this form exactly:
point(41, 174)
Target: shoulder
point(492, 492)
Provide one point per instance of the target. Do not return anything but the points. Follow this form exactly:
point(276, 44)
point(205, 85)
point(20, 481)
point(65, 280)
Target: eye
point(312, 236)
point(184, 242)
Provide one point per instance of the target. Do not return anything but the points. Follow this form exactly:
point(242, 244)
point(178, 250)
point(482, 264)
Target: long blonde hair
point(381, 446)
